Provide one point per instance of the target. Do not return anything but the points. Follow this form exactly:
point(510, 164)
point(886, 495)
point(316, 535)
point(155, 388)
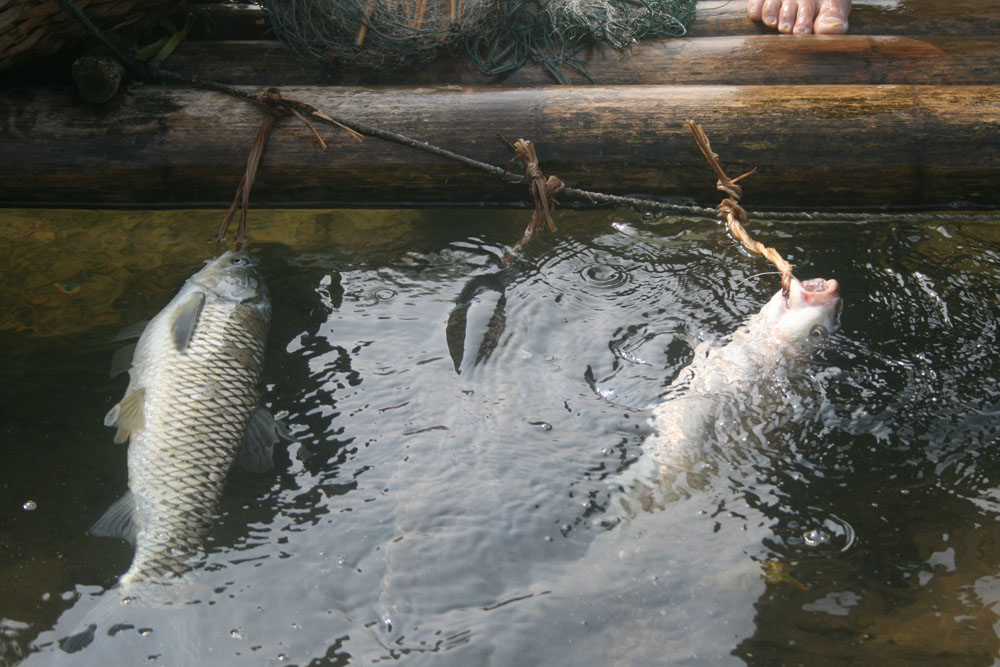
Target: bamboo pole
point(813, 146)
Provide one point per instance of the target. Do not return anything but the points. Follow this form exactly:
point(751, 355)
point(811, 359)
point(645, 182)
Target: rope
point(278, 107)
point(157, 75)
point(731, 211)
point(543, 191)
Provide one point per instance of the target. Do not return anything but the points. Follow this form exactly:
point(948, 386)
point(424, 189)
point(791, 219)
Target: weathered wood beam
point(745, 60)
point(814, 146)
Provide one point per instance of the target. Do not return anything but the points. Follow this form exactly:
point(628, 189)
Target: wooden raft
point(903, 112)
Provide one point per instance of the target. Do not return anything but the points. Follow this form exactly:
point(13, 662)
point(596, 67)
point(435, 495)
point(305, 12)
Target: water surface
point(454, 494)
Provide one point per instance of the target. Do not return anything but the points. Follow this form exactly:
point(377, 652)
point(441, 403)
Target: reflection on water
point(455, 493)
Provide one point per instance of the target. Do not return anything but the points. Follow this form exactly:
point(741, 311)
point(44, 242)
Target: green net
point(500, 36)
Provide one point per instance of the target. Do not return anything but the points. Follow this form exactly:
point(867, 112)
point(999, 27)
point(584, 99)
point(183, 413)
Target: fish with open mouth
point(771, 343)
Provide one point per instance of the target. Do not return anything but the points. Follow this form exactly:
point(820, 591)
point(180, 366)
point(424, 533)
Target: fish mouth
point(820, 291)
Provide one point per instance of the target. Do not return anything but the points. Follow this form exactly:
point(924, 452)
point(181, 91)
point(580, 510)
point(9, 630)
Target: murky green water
point(427, 515)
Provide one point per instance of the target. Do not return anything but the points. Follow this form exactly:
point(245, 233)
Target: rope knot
point(733, 214)
point(543, 190)
point(274, 103)
point(729, 207)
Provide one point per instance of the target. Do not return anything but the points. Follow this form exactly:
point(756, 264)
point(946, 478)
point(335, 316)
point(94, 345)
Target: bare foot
point(802, 17)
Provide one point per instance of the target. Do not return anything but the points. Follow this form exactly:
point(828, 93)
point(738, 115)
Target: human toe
point(754, 8)
point(832, 17)
point(787, 16)
point(769, 12)
point(804, 18)
point(830, 25)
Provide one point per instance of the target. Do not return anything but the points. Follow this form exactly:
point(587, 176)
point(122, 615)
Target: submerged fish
point(740, 373)
point(190, 404)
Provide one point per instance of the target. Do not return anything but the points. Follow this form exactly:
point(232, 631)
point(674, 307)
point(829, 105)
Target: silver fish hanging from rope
point(190, 410)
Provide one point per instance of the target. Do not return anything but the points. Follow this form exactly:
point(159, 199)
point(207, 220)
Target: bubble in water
point(599, 275)
point(235, 634)
point(282, 657)
point(815, 537)
point(384, 294)
point(29, 506)
point(834, 531)
point(145, 632)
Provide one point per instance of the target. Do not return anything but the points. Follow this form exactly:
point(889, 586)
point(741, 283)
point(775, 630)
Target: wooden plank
point(746, 60)
point(814, 146)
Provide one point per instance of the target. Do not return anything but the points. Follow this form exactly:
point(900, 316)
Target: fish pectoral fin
point(118, 520)
point(128, 415)
point(185, 320)
point(256, 453)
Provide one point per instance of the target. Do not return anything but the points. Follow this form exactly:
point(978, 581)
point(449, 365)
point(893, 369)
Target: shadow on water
point(464, 436)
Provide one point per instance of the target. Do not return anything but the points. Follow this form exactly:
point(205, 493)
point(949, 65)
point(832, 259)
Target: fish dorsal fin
point(256, 454)
point(185, 319)
point(128, 415)
point(118, 520)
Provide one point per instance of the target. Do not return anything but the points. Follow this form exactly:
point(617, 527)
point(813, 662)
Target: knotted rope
point(277, 107)
point(731, 211)
point(543, 190)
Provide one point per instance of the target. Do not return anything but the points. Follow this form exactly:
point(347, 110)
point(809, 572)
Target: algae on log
point(813, 146)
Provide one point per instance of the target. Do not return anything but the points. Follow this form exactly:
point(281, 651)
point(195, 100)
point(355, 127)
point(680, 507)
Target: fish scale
point(196, 370)
point(195, 471)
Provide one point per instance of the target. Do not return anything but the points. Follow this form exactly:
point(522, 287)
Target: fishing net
point(500, 36)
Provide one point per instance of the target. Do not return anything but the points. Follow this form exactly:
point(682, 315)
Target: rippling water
point(454, 494)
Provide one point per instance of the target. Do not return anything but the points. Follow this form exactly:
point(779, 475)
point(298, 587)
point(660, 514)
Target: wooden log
point(814, 146)
point(746, 60)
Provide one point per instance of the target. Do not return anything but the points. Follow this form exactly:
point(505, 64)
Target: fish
point(769, 346)
point(190, 410)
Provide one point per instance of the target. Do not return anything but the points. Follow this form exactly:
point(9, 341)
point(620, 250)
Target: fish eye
point(818, 332)
point(238, 261)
